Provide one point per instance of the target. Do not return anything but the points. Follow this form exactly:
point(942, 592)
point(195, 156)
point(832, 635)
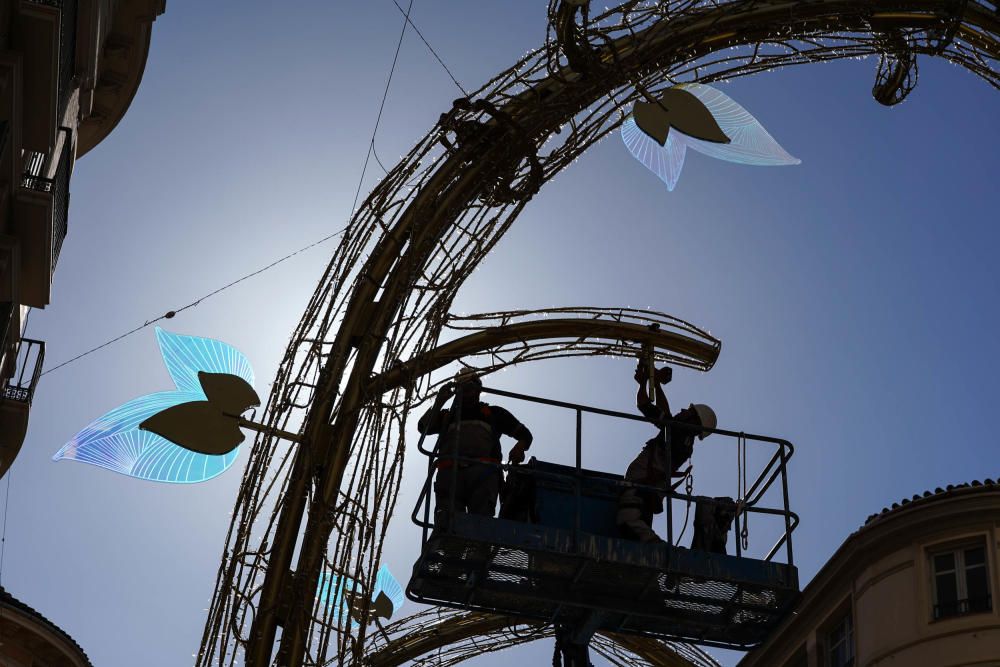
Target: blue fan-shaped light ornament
point(337, 593)
point(749, 142)
point(114, 441)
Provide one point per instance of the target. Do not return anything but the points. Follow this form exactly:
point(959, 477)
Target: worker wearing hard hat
point(636, 507)
point(471, 431)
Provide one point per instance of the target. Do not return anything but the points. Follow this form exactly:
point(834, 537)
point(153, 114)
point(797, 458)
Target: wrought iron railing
point(29, 360)
point(972, 605)
point(34, 164)
point(60, 203)
point(57, 185)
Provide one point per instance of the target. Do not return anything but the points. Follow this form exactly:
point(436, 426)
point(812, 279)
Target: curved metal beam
point(702, 353)
point(464, 626)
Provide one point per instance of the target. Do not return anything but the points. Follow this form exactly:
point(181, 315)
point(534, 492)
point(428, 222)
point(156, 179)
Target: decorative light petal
point(749, 143)
point(115, 442)
point(664, 161)
point(126, 418)
point(145, 455)
point(186, 355)
point(335, 593)
point(386, 583)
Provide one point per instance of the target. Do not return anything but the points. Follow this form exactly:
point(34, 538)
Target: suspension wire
point(430, 48)
point(378, 160)
point(688, 488)
point(371, 148)
point(381, 107)
point(741, 466)
point(171, 313)
point(3, 535)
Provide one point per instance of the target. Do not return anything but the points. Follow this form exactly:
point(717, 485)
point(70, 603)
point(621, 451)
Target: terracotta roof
point(11, 601)
point(936, 494)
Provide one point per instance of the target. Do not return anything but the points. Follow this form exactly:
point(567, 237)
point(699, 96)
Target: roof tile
point(987, 483)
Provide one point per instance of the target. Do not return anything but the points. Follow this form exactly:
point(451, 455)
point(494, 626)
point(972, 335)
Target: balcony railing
point(58, 186)
point(30, 358)
point(34, 164)
point(60, 204)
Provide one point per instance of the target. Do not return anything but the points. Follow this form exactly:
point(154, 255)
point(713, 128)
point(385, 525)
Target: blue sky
point(854, 294)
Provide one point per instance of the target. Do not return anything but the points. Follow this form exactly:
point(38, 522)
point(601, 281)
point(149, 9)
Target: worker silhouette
point(471, 431)
point(636, 507)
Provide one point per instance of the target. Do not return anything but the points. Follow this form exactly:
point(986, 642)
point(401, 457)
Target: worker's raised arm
point(430, 422)
point(661, 410)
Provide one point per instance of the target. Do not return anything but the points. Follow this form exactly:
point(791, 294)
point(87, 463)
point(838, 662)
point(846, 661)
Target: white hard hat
point(706, 416)
point(467, 375)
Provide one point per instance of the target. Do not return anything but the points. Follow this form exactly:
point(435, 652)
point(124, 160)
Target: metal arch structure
point(438, 637)
point(385, 296)
point(505, 338)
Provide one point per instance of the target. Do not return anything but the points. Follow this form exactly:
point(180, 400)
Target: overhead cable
point(171, 313)
point(430, 48)
point(381, 107)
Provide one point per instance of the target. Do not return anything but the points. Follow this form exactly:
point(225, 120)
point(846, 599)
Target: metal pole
point(579, 474)
point(456, 406)
point(668, 501)
point(788, 518)
point(429, 488)
point(736, 533)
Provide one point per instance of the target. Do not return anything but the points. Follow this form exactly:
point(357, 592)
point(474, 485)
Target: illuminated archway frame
point(422, 230)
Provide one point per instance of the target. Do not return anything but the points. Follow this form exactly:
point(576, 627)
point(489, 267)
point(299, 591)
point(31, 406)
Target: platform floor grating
point(540, 572)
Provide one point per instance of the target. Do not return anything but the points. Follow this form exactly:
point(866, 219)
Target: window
point(840, 643)
point(961, 581)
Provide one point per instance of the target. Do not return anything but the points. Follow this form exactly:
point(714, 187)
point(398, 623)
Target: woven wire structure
point(386, 294)
point(439, 636)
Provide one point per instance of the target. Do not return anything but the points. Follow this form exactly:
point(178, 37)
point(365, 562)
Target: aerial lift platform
point(559, 559)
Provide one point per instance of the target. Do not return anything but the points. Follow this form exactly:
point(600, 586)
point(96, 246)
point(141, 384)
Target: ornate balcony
point(22, 367)
point(42, 209)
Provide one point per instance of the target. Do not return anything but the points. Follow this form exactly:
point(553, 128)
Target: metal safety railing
point(60, 203)
point(27, 370)
point(749, 500)
point(34, 163)
point(58, 186)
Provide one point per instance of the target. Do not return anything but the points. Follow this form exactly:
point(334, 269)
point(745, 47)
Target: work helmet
point(706, 416)
point(468, 376)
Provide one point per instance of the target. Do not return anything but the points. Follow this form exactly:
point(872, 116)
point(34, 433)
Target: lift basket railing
point(747, 503)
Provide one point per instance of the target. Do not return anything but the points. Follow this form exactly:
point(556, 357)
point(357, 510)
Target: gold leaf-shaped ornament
point(199, 426)
point(681, 110)
point(230, 393)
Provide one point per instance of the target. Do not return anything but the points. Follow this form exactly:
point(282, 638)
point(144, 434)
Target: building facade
point(914, 587)
point(68, 72)
point(28, 639)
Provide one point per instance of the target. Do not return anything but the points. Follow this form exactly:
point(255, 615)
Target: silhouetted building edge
point(69, 70)
point(885, 597)
point(29, 638)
